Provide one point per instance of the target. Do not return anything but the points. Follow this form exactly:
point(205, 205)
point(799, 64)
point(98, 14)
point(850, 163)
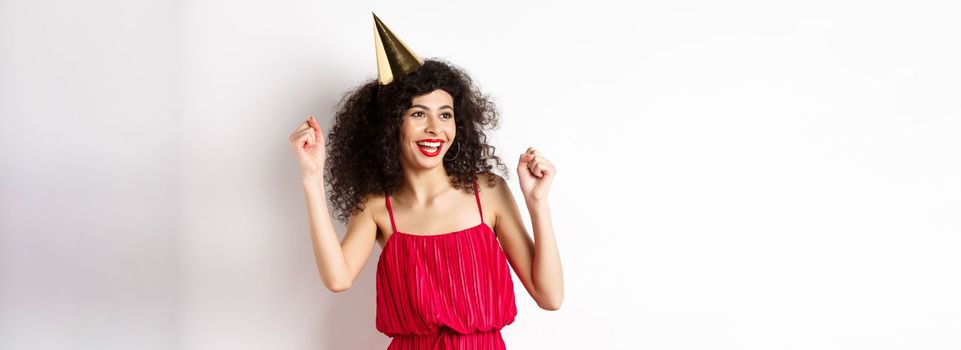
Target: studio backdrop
point(731, 175)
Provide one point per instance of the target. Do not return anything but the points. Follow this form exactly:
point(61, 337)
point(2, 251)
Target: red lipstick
point(431, 150)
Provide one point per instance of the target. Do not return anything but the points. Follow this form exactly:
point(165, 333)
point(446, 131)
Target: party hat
point(394, 58)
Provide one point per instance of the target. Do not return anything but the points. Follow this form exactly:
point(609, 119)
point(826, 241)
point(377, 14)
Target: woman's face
point(428, 130)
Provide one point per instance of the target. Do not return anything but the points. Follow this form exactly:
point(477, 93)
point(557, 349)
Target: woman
point(405, 154)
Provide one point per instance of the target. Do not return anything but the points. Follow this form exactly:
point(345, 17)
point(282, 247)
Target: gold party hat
point(394, 58)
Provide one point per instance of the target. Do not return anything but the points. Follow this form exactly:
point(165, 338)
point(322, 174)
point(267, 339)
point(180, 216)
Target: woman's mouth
point(430, 149)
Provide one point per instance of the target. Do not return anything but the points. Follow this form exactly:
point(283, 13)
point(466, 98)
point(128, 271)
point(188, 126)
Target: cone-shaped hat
point(394, 58)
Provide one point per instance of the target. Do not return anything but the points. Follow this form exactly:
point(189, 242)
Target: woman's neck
point(421, 187)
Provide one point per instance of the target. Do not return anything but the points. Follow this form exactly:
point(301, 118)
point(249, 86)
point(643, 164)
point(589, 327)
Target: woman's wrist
point(312, 179)
point(537, 204)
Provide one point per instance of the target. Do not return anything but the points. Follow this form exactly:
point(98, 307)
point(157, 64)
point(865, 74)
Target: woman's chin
point(425, 162)
point(430, 162)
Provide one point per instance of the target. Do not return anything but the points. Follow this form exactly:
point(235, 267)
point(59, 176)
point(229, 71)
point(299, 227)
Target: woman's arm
point(536, 262)
point(339, 262)
point(547, 273)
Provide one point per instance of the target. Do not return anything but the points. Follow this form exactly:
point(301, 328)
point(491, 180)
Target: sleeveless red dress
point(444, 291)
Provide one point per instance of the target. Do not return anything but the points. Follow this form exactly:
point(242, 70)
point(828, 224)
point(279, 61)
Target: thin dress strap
point(390, 212)
point(477, 196)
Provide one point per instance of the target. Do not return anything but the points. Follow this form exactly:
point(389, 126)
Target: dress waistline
point(446, 338)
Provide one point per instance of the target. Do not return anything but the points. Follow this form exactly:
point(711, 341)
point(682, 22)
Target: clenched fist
point(535, 173)
point(308, 144)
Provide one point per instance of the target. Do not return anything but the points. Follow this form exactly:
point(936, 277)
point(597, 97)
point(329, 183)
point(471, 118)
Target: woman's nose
point(432, 124)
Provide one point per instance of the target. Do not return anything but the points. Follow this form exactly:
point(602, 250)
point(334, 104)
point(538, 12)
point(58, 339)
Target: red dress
point(444, 291)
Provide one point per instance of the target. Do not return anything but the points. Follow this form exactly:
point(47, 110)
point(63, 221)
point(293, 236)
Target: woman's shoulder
point(490, 180)
point(493, 189)
point(374, 207)
point(370, 206)
point(494, 195)
point(373, 201)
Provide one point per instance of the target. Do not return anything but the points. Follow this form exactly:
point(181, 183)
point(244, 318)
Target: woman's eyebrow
point(425, 107)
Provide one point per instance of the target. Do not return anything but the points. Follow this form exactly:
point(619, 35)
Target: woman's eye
point(421, 114)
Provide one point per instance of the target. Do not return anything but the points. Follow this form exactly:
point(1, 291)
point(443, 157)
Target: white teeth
point(429, 144)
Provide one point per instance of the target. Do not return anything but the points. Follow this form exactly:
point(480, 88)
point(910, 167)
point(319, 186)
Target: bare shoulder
point(374, 208)
point(495, 194)
point(374, 201)
point(484, 180)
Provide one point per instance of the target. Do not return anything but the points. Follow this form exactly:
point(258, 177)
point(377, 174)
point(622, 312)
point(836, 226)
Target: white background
point(732, 175)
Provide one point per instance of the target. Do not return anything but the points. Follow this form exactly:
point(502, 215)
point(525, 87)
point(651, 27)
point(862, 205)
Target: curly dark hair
point(364, 143)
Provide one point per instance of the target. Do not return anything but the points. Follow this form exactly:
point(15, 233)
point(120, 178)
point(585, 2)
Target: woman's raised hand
point(308, 144)
point(535, 173)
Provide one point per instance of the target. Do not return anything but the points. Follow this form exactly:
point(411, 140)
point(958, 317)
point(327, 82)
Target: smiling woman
point(438, 121)
point(413, 143)
point(377, 129)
